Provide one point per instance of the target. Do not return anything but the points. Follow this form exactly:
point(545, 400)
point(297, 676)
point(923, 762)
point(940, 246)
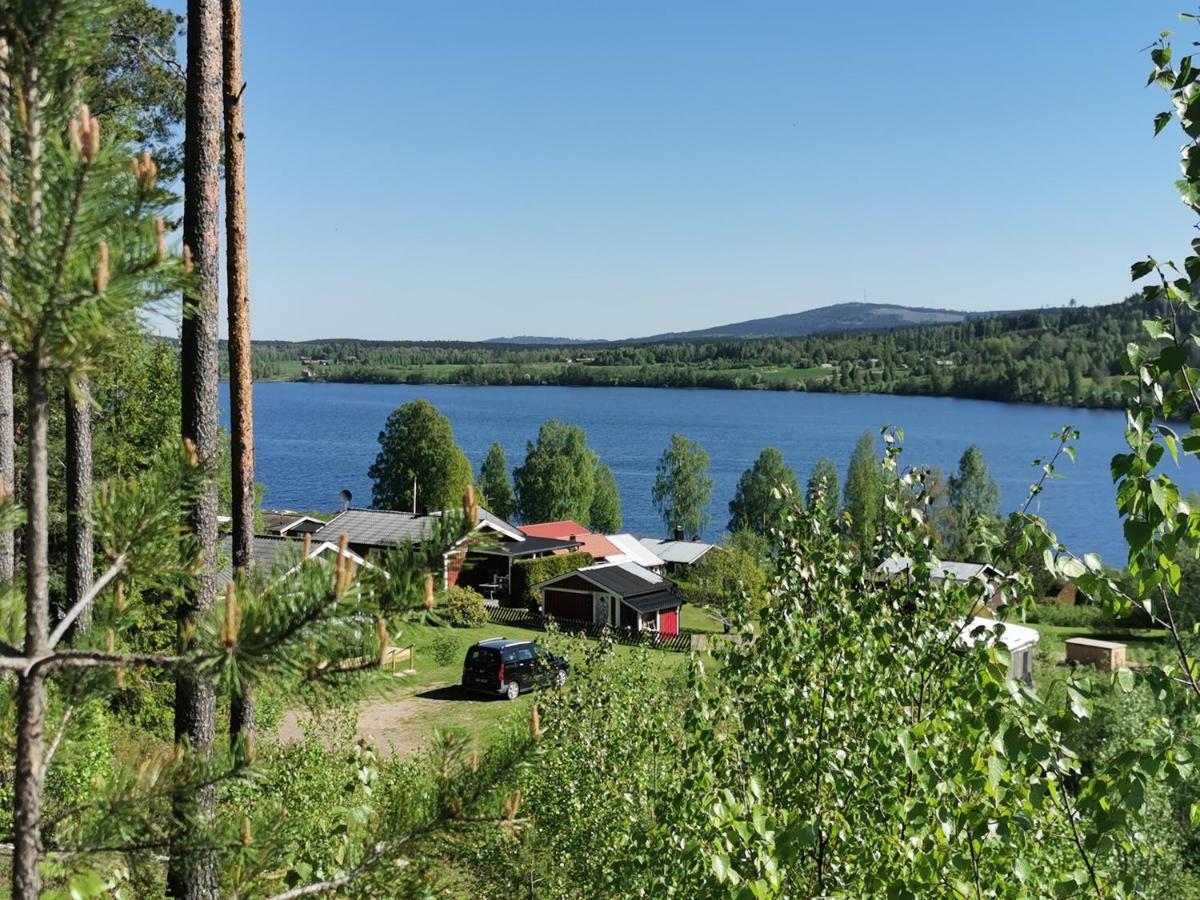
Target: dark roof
point(648, 603)
point(528, 547)
point(376, 528)
point(265, 549)
point(282, 521)
point(304, 526)
point(501, 643)
point(624, 579)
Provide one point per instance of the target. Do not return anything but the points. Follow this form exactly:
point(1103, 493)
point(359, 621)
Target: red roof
point(597, 545)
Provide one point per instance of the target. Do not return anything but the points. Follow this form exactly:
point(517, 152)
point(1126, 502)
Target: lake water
point(316, 439)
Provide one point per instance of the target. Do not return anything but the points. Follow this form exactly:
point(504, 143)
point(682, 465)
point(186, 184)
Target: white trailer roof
point(1011, 636)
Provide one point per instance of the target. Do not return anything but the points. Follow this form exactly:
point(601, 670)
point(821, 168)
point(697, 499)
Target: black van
point(505, 668)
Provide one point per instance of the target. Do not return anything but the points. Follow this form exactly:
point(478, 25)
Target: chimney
point(679, 532)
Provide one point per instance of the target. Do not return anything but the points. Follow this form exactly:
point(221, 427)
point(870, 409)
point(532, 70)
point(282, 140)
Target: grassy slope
point(430, 699)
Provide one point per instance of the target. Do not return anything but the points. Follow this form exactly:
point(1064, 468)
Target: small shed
point(1107, 656)
point(623, 595)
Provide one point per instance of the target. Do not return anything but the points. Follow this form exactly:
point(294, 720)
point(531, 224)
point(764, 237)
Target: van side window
point(523, 654)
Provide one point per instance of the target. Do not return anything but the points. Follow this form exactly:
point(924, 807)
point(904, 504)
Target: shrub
point(444, 649)
point(1073, 616)
point(528, 572)
point(1085, 615)
point(463, 608)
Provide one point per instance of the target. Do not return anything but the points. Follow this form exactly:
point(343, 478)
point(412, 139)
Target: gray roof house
point(677, 553)
point(376, 530)
point(268, 551)
point(951, 570)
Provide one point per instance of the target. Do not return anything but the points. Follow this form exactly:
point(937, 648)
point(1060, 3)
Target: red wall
point(668, 621)
point(453, 568)
point(577, 607)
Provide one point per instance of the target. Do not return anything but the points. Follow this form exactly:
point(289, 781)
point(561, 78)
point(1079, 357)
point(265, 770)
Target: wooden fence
point(524, 618)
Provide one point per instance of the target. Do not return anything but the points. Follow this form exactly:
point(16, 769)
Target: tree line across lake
point(563, 478)
point(1070, 356)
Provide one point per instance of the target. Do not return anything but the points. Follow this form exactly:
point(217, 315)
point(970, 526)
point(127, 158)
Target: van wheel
point(560, 678)
point(512, 690)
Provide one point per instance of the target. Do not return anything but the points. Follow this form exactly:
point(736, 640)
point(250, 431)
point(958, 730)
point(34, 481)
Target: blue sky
point(476, 169)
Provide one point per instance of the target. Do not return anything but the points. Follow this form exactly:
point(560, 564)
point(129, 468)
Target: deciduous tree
point(682, 487)
point(417, 446)
point(864, 493)
point(558, 478)
point(605, 513)
point(823, 484)
point(974, 506)
point(762, 493)
point(496, 482)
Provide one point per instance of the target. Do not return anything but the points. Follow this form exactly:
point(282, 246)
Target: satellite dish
point(346, 498)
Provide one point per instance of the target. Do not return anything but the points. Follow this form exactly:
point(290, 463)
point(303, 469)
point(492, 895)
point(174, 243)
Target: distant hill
point(838, 317)
point(537, 341)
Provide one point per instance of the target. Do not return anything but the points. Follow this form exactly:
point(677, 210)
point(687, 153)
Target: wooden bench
point(1107, 656)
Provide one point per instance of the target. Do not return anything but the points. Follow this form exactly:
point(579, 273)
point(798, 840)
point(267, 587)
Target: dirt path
point(400, 726)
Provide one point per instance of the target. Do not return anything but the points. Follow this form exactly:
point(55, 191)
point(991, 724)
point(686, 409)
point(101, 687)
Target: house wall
point(574, 583)
point(567, 604)
point(668, 621)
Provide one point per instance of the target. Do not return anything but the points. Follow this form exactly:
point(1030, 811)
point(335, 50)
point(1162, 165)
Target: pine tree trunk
point(29, 781)
point(7, 449)
point(80, 549)
point(31, 693)
point(241, 383)
point(191, 872)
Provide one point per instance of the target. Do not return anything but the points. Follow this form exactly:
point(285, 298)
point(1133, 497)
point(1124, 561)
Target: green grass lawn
point(1145, 645)
point(697, 618)
point(405, 715)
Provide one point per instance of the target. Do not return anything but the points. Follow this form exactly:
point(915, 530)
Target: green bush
point(528, 572)
point(1085, 615)
point(463, 608)
point(444, 649)
point(1073, 616)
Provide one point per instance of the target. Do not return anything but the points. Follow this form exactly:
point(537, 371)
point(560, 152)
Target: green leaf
point(1021, 869)
point(1161, 121)
point(1156, 328)
point(1141, 269)
point(720, 867)
point(1125, 680)
point(1079, 707)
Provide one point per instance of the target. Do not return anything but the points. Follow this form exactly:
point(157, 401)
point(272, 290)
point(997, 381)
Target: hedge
point(528, 572)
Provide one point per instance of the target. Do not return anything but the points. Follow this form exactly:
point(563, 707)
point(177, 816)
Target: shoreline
point(667, 387)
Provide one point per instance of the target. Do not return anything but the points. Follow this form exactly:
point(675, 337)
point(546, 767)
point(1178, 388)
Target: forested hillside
point(1065, 356)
